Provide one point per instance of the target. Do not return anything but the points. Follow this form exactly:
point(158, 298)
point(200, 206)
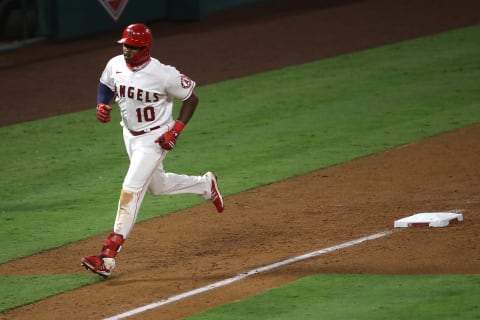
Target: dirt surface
point(170, 255)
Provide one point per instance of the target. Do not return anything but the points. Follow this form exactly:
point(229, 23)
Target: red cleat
point(216, 196)
point(96, 264)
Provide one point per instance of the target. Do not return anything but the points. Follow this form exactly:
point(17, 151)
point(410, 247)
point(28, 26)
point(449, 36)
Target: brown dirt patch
point(180, 252)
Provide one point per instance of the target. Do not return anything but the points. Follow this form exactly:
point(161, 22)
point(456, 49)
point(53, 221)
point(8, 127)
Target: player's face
point(129, 52)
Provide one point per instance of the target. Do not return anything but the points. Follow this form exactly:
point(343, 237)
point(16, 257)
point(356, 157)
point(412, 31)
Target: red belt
point(139, 133)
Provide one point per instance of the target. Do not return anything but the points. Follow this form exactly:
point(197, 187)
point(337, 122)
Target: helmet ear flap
point(141, 57)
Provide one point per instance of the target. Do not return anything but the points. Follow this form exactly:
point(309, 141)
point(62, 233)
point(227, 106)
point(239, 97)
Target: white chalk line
point(247, 274)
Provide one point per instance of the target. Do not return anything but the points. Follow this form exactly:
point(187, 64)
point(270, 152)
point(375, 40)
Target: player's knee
point(126, 196)
point(127, 201)
point(128, 188)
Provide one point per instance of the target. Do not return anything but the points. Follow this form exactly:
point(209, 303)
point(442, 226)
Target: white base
point(429, 219)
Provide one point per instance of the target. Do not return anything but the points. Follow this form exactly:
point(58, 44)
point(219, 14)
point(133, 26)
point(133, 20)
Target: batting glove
point(168, 140)
point(103, 112)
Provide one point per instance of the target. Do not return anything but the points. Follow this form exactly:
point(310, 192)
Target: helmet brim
point(132, 42)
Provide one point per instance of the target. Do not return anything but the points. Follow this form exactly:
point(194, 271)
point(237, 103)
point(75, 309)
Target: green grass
point(61, 176)
point(361, 297)
point(28, 289)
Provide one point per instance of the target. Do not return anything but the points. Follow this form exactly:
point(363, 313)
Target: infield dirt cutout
point(180, 252)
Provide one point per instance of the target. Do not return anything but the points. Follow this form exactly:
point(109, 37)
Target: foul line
point(247, 274)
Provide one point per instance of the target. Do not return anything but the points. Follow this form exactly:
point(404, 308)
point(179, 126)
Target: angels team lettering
point(137, 94)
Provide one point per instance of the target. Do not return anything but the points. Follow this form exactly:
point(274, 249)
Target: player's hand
point(103, 112)
point(168, 140)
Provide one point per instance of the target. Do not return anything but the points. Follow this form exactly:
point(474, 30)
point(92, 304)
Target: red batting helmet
point(138, 35)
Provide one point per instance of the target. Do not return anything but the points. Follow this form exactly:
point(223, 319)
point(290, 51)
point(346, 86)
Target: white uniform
point(145, 98)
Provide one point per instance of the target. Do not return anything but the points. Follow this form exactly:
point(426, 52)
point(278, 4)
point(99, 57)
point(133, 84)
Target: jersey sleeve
point(179, 85)
point(106, 77)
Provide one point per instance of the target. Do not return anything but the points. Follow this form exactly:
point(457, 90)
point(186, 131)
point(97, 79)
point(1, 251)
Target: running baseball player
point(144, 90)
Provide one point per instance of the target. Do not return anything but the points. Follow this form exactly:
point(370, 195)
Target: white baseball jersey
point(146, 96)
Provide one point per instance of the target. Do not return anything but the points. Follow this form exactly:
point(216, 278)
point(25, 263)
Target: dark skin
point(188, 108)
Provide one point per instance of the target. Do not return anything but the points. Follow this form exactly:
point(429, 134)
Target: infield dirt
point(197, 246)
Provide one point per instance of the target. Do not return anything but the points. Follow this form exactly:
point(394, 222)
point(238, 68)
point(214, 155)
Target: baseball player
point(144, 90)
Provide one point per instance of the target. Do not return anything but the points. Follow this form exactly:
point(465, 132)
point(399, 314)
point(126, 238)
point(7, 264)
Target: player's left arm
point(187, 108)
point(169, 139)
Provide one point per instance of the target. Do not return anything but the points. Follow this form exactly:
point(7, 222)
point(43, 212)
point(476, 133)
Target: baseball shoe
point(96, 264)
point(216, 196)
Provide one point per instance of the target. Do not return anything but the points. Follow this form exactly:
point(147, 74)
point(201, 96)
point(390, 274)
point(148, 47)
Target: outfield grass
point(61, 176)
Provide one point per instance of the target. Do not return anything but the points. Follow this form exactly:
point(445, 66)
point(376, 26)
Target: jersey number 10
point(146, 114)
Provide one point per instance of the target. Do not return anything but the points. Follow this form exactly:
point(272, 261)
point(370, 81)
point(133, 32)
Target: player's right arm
point(104, 95)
